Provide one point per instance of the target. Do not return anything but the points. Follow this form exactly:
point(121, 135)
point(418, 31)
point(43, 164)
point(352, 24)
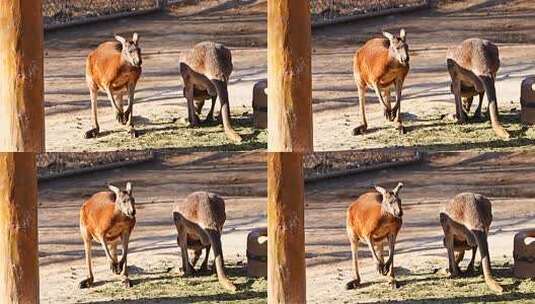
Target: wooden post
point(19, 265)
point(286, 235)
point(290, 130)
point(22, 130)
point(21, 76)
point(289, 76)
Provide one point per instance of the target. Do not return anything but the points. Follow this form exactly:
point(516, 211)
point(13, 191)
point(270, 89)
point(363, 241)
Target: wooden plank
point(286, 236)
point(289, 76)
point(19, 264)
point(21, 76)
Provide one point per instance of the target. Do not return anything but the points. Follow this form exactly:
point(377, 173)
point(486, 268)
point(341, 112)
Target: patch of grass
point(158, 285)
point(167, 132)
point(436, 133)
point(425, 285)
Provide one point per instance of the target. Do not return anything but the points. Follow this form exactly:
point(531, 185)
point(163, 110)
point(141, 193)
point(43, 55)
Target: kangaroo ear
point(398, 187)
point(388, 36)
point(129, 188)
point(183, 67)
point(120, 39)
point(380, 190)
point(114, 189)
point(135, 38)
point(402, 34)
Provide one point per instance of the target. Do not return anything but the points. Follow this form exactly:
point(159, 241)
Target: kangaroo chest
point(116, 231)
point(389, 78)
point(385, 229)
point(124, 77)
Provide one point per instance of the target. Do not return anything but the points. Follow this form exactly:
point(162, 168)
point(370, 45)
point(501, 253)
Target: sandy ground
point(504, 178)
point(426, 95)
point(240, 179)
point(163, 38)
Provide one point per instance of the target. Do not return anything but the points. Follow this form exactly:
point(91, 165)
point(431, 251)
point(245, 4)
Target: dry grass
point(427, 285)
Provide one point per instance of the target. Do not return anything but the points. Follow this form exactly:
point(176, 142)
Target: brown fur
point(473, 66)
point(109, 70)
point(466, 221)
point(373, 218)
point(214, 62)
point(376, 66)
point(102, 220)
point(199, 220)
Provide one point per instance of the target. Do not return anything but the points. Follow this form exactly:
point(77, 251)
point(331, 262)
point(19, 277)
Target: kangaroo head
point(124, 200)
point(130, 49)
point(391, 202)
point(399, 49)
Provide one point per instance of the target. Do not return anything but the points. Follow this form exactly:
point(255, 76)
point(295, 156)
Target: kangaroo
point(108, 217)
point(466, 220)
point(214, 62)
point(373, 218)
point(382, 63)
point(114, 68)
point(203, 89)
point(472, 66)
point(199, 220)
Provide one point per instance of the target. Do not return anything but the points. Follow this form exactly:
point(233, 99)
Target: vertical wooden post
point(19, 266)
point(21, 76)
point(290, 135)
point(286, 235)
point(289, 76)
point(22, 129)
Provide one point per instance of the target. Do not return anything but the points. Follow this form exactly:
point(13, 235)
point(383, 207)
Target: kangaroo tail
point(490, 89)
point(481, 239)
point(222, 92)
point(215, 240)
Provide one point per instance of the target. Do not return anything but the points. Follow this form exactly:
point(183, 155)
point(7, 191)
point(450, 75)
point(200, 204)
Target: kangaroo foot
point(401, 129)
point(188, 273)
point(119, 116)
point(194, 122)
point(122, 264)
point(478, 116)
point(394, 284)
point(494, 286)
point(379, 266)
point(86, 283)
point(91, 133)
point(359, 130)
point(115, 268)
point(209, 119)
point(133, 133)
point(501, 132)
point(386, 268)
point(388, 114)
point(354, 284)
point(469, 270)
point(125, 118)
point(233, 136)
point(461, 118)
point(454, 272)
point(127, 283)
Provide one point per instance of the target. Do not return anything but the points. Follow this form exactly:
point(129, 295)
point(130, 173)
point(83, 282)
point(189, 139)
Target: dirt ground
point(153, 254)
point(426, 96)
point(420, 259)
point(160, 109)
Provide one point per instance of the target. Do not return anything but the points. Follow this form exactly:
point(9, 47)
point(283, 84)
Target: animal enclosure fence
point(60, 12)
point(330, 10)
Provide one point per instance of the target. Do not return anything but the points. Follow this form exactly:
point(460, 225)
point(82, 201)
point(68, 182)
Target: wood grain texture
point(21, 76)
point(286, 236)
point(19, 266)
point(289, 76)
